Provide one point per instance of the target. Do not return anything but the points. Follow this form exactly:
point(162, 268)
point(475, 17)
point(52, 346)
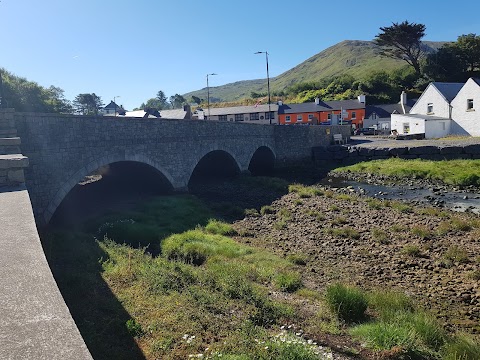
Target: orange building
point(321, 112)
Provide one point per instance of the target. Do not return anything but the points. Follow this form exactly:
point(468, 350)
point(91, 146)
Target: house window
point(299, 118)
point(329, 117)
point(469, 104)
point(238, 117)
point(354, 115)
point(222, 117)
point(406, 128)
point(287, 118)
point(254, 116)
point(310, 117)
point(429, 108)
point(272, 115)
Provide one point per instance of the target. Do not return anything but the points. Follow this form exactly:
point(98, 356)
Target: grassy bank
point(169, 281)
point(452, 172)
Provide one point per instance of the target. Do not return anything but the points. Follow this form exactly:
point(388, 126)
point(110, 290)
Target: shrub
point(374, 203)
point(462, 347)
point(380, 236)
point(297, 259)
point(401, 207)
point(411, 250)
point(219, 227)
point(422, 232)
point(345, 232)
point(267, 209)
point(348, 303)
point(279, 225)
point(284, 213)
point(134, 328)
point(252, 212)
point(304, 191)
point(288, 281)
point(455, 254)
point(339, 221)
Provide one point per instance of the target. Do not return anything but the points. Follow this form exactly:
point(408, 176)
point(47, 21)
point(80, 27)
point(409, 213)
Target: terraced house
point(323, 112)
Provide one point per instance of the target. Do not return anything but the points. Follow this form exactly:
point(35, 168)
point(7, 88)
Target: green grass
point(452, 172)
point(219, 228)
point(345, 232)
point(422, 232)
point(379, 235)
point(267, 209)
point(374, 203)
point(347, 302)
point(304, 191)
point(455, 254)
point(461, 347)
point(411, 250)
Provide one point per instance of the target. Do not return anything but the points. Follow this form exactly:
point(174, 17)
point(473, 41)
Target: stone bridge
point(62, 149)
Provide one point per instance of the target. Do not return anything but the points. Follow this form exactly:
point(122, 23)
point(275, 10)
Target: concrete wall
point(64, 149)
point(435, 129)
point(467, 120)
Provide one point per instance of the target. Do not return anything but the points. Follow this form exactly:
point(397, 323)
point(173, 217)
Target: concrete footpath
point(35, 323)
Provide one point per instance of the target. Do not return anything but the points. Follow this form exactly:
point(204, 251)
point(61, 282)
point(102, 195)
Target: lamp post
point(268, 84)
point(208, 95)
point(115, 113)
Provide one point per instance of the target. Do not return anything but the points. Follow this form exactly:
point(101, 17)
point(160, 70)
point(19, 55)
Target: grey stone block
point(396, 151)
point(408, 156)
point(16, 176)
point(418, 150)
point(381, 152)
point(451, 150)
point(472, 149)
point(366, 151)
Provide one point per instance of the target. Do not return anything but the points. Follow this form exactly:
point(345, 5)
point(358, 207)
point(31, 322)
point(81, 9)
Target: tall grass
point(347, 302)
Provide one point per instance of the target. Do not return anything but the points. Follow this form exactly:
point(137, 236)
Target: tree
point(196, 100)
point(162, 100)
point(87, 104)
point(177, 101)
point(469, 51)
point(403, 41)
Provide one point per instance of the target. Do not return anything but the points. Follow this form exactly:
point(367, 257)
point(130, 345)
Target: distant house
point(184, 113)
point(255, 114)
point(432, 113)
point(466, 109)
point(112, 109)
point(379, 116)
point(323, 112)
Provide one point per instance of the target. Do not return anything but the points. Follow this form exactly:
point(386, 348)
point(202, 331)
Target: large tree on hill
point(177, 101)
point(87, 104)
point(403, 41)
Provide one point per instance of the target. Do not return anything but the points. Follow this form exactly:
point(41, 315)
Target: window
point(469, 104)
point(238, 117)
point(222, 117)
point(354, 115)
point(310, 117)
point(299, 118)
point(272, 115)
point(406, 128)
point(254, 116)
point(287, 118)
point(329, 117)
point(429, 108)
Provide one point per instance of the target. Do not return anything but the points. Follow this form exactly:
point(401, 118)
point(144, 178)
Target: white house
point(432, 113)
point(466, 109)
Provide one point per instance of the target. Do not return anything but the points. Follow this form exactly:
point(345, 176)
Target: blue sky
point(132, 49)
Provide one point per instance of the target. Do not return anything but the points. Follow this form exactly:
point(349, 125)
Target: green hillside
point(352, 57)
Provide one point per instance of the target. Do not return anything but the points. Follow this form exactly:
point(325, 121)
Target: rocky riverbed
point(431, 254)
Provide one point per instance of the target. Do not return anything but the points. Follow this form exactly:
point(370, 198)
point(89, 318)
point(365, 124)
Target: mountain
point(353, 57)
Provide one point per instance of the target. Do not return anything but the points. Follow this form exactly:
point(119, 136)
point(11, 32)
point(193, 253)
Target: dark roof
point(477, 80)
point(448, 90)
point(385, 110)
point(112, 105)
point(322, 106)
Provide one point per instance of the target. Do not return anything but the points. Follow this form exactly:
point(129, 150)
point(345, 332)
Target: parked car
point(365, 131)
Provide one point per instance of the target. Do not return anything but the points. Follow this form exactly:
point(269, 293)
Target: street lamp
point(268, 84)
point(115, 113)
point(208, 96)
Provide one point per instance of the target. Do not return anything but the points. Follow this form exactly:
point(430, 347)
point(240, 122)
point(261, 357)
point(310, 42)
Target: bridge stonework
point(62, 149)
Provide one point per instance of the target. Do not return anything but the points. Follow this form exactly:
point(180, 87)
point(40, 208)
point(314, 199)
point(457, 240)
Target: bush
point(348, 303)
point(380, 236)
point(461, 347)
point(134, 328)
point(455, 254)
point(219, 227)
point(267, 209)
point(411, 250)
point(288, 281)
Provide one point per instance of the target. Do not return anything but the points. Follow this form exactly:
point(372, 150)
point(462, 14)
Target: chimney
point(403, 98)
point(280, 103)
point(188, 111)
point(362, 99)
point(317, 101)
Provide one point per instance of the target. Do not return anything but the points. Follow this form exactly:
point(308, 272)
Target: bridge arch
point(262, 161)
point(215, 161)
point(70, 183)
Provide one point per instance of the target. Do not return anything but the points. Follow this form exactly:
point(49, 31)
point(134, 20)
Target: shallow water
point(456, 201)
